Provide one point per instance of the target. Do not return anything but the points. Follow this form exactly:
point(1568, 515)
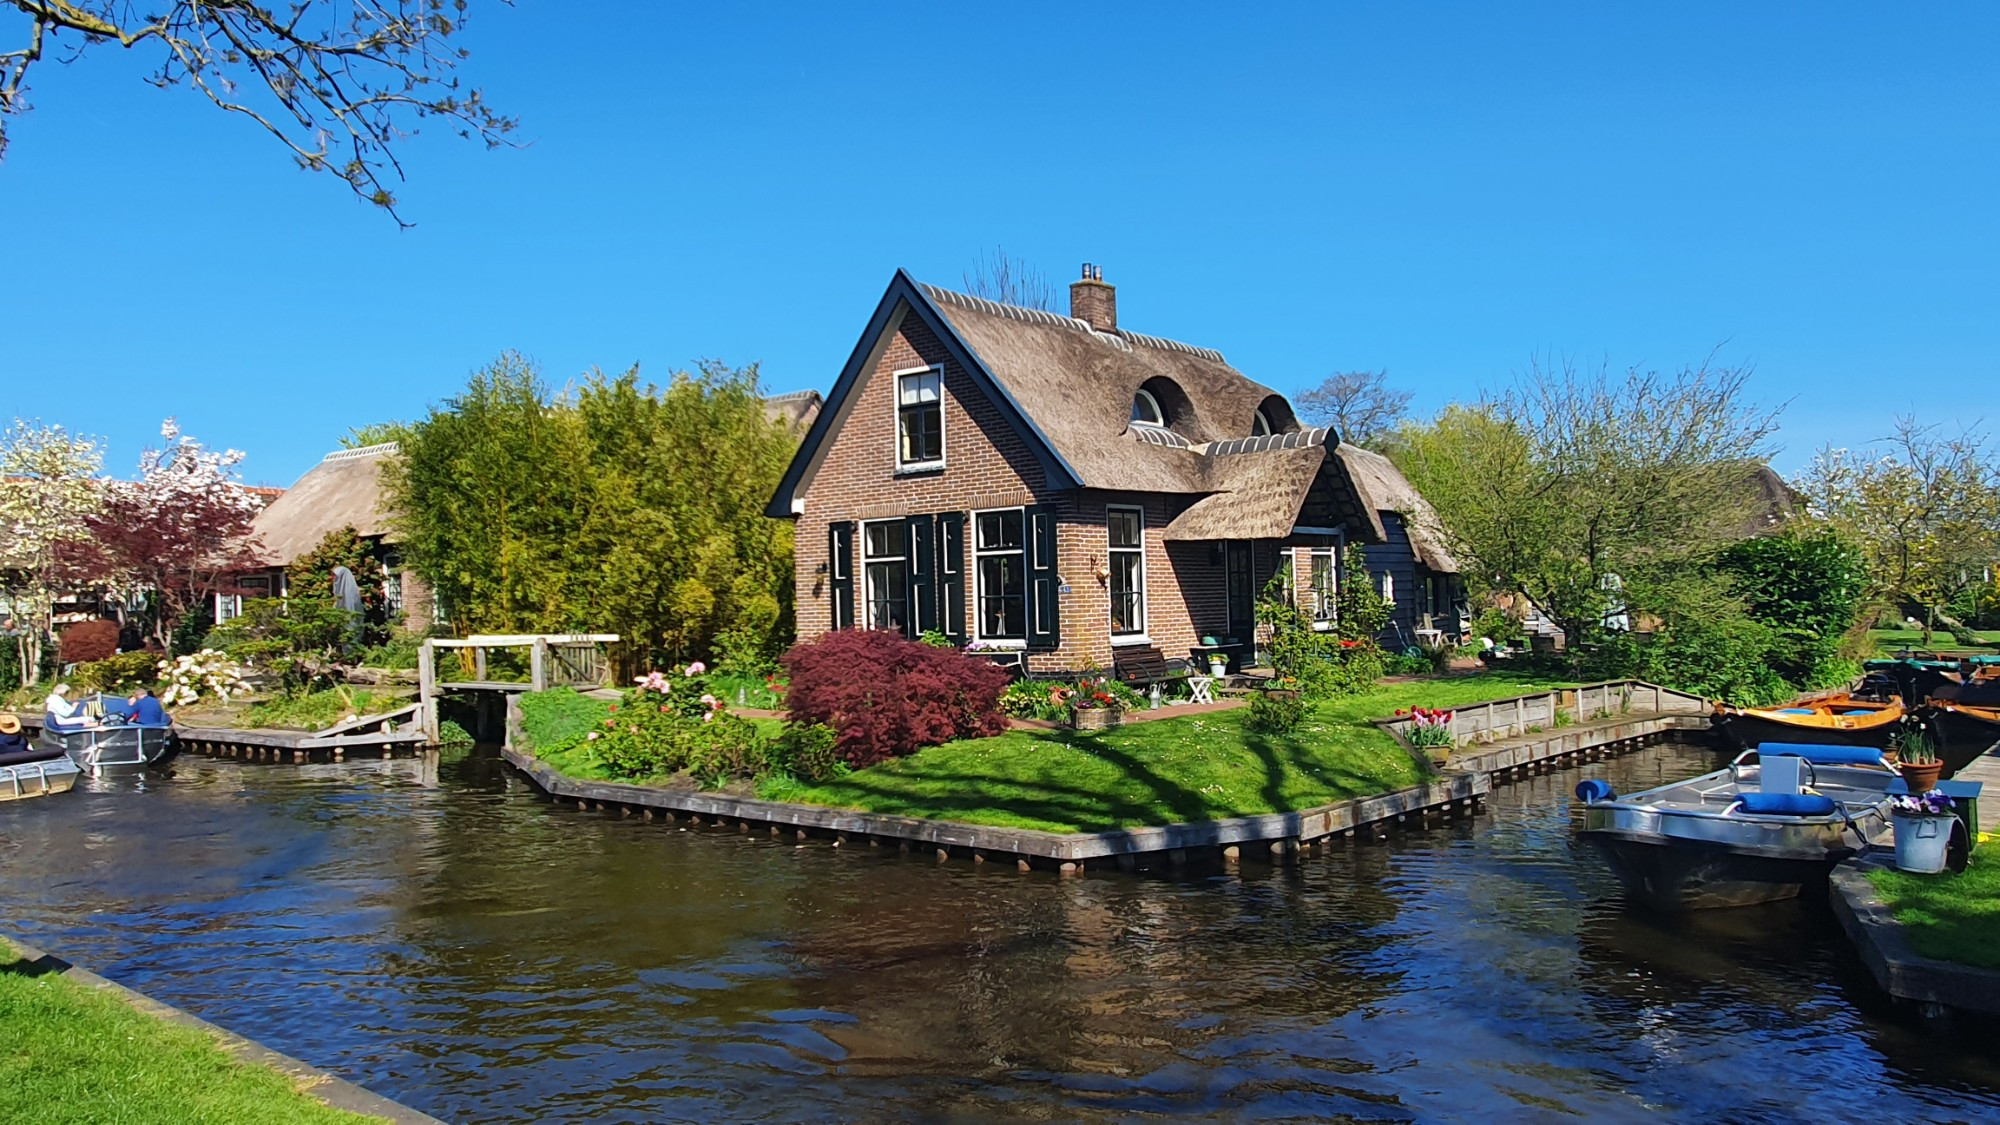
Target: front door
point(1242, 591)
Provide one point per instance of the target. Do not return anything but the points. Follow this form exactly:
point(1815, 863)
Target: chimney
point(1092, 301)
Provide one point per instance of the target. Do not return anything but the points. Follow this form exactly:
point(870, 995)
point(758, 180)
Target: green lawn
point(1199, 767)
point(1892, 640)
point(552, 720)
point(1949, 917)
point(72, 1054)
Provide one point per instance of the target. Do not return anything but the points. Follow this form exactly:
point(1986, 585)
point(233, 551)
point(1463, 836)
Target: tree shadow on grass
point(18, 966)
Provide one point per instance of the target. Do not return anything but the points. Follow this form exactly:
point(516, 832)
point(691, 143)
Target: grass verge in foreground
point(69, 1054)
point(1948, 917)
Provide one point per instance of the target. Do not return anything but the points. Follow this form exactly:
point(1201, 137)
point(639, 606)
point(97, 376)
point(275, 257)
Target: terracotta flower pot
point(1096, 718)
point(1920, 778)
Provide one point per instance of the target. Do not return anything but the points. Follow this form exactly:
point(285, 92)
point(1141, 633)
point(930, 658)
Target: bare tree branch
point(1010, 281)
point(1359, 405)
point(353, 75)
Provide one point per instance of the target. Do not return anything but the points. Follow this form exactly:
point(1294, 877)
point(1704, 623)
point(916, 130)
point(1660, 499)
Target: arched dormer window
point(1260, 426)
point(1146, 410)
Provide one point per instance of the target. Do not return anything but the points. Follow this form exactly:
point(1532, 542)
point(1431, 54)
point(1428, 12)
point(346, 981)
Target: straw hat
point(9, 724)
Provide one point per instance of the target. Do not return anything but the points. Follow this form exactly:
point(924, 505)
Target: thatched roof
point(1077, 385)
point(796, 409)
point(1259, 496)
point(1768, 500)
point(343, 490)
point(1384, 489)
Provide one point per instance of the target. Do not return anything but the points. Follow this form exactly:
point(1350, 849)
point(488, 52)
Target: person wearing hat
point(12, 741)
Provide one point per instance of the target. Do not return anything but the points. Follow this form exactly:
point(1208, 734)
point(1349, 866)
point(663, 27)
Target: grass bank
point(1895, 640)
point(71, 1054)
point(1188, 768)
point(552, 721)
point(1948, 917)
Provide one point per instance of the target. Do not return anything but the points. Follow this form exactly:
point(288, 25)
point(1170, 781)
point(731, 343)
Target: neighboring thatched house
point(343, 490)
point(1055, 484)
point(1410, 563)
point(796, 409)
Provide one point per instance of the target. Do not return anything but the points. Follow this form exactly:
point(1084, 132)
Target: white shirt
point(59, 707)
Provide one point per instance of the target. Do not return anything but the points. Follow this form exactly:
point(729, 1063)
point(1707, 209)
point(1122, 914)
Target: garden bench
point(1143, 668)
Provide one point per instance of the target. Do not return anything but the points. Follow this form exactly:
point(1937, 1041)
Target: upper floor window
point(1146, 410)
point(920, 417)
point(1261, 424)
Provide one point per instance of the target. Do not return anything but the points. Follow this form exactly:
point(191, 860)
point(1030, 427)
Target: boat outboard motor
point(1594, 789)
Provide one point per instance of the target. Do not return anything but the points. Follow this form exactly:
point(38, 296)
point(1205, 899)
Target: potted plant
point(1917, 759)
point(1923, 831)
point(1430, 731)
point(1093, 708)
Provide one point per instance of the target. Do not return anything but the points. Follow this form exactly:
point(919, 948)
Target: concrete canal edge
point(309, 1080)
point(1901, 971)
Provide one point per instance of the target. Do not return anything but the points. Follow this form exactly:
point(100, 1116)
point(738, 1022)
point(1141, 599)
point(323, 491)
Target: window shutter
point(951, 576)
point(921, 613)
point(1044, 584)
point(840, 573)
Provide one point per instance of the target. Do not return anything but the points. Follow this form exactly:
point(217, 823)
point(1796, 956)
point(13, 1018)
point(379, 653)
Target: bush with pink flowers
point(671, 723)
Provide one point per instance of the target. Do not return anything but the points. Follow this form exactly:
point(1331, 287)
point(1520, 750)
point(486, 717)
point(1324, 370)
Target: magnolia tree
point(47, 496)
point(180, 532)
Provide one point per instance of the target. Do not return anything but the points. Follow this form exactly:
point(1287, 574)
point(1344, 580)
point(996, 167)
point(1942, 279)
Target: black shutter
point(840, 573)
point(921, 614)
point(951, 576)
point(1044, 584)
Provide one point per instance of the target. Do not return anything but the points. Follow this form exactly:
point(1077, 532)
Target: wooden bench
point(1142, 668)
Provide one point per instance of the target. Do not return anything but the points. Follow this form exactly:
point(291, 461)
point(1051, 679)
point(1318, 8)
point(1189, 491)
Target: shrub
point(399, 651)
point(207, 672)
point(557, 718)
point(1409, 662)
point(87, 642)
point(1275, 712)
point(118, 674)
point(885, 696)
point(807, 751)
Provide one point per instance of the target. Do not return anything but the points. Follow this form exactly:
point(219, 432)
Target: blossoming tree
point(47, 493)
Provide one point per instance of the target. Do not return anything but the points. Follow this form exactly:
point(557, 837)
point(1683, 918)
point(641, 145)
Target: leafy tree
point(1360, 406)
point(178, 533)
point(336, 84)
point(47, 496)
point(311, 576)
point(1925, 508)
point(374, 433)
point(1591, 492)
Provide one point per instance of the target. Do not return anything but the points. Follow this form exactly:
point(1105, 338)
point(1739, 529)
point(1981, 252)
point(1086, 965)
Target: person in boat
point(62, 713)
point(12, 741)
point(145, 710)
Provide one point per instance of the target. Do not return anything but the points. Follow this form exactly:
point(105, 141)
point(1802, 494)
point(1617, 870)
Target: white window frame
point(896, 418)
point(1138, 637)
point(868, 599)
point(1260, 426)
point(1159, 419)
point(979, 580)
point(228, 607)
point(1388, 587)
point(1330, 594)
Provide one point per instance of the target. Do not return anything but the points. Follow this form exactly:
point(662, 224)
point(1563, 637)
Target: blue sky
point(1446, 192)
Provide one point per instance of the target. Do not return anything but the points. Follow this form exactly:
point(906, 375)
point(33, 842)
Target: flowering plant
point(188, 676)
point(1428, 726)
point(1933, 803)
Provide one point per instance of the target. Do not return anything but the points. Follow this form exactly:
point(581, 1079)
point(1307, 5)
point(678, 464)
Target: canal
point(442, 935)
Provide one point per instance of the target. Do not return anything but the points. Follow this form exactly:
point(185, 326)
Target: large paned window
point(920, 418)
point(1000, 548)
point(1126, 529)
point(1323, 592)
point(885, 568)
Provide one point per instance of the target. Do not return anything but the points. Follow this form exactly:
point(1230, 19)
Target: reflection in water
point(440, 934)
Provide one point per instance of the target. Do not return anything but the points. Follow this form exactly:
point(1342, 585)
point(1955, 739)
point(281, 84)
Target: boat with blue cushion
point(1842, 720)
point(105, 739)
point(1773, 822)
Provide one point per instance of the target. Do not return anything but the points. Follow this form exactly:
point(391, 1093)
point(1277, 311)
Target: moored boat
point(1964, 730)
point(36, 772)
point(1773, 822)
point(1841, 720)
point(107, 741)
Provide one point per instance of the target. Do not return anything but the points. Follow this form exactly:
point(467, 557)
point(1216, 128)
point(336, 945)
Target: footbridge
point(503, 664)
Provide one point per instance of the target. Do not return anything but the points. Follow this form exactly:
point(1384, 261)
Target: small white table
point(1198, 687)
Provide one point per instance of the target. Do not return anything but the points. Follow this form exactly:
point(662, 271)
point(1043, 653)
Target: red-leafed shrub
point(87, 642)
point(885, 696)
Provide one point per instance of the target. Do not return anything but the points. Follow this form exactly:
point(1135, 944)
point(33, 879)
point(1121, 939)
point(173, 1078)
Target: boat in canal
point(1773, 822)
point(34, 772)
point(1865, 719)
point(107, 740)
point(1965, 731)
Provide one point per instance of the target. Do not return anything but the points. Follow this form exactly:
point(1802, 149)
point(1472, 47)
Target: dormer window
point(1260, 426)
point(920, 418)
point(1146, 410)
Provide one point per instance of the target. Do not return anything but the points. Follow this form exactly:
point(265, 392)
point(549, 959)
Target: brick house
point(1088, 495)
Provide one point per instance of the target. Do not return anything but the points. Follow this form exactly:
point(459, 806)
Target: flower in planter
point(1933, 803)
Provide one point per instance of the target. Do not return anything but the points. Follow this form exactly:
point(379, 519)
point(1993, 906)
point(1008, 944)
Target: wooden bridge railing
point(1503, 718)
point(554, 660)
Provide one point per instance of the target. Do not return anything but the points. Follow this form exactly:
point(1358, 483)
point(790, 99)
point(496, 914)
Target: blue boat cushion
point(1863, 712)
point(1786, 804)
point(1594, 789)
point(1793, 711)
point(1822, 754)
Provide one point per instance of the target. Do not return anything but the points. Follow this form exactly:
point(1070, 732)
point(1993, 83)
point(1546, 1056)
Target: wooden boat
point(1843, 720)
point(36, 772)
point(1772, 823)
point(1964, 731)
point(109, 743)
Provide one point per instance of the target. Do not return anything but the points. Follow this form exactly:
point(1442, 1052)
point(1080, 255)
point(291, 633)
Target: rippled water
point(443, 936)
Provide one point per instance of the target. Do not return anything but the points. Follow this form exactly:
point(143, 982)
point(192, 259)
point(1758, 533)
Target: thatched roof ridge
point(1257, 497)
point(796, 409)
point(344, 489)
point(1077, 384)
point(1385, 489)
